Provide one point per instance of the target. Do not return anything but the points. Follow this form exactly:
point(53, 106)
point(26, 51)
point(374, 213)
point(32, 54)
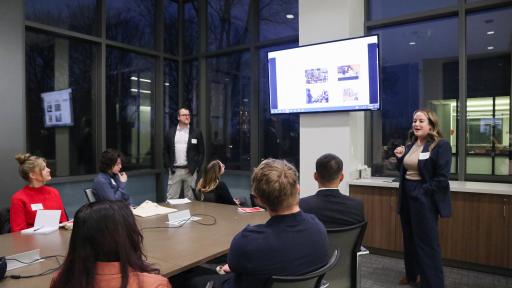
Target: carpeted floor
point(384, 272)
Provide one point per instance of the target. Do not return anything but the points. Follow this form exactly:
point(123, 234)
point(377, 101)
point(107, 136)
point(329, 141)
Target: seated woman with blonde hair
point(105, 251)
point(212, 189)
point(35, 195)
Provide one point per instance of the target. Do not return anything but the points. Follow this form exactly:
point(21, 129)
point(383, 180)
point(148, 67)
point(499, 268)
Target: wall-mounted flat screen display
point(57, 108)
point(335, 76)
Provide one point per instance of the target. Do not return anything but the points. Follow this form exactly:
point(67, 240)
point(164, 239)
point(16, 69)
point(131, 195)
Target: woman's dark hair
point(108, 159)
point(103, 231)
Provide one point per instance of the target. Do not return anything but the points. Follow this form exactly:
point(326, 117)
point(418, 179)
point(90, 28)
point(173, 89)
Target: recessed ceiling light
point(490, 47)
point(412, 43)
point(490, 32)
point(290, 16)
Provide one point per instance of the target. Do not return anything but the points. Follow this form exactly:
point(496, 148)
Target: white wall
point(341, 133)
point(12, 84)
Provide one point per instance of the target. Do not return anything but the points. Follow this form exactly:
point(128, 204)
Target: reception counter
point(479, 231)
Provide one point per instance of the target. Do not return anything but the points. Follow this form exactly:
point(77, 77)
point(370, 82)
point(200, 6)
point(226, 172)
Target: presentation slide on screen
point(332, 76)
point(57, 108)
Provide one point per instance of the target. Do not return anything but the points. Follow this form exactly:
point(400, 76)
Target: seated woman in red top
point(34, 196)
point(105, 251)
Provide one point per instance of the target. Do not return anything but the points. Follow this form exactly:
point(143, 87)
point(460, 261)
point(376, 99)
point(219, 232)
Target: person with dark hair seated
point(290, 243)
point(212, 189)
point(105, 251)
point(110, 183)
point(35, 195)
point(332, 208)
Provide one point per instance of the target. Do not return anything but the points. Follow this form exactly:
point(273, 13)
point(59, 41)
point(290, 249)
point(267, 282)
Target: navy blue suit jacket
point(333, 209)
point(434, 172)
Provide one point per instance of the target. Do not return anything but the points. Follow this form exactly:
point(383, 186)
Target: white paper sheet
point(148, 208)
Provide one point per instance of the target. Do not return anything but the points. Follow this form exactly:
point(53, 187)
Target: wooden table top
point(172, 250)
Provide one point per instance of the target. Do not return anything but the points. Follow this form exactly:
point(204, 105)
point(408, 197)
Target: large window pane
point(416, 61)
point(170, 94)
point(278, 19)
point(54, 63)
point(488, 90)
point(280, 133)
point(381, 9)
point(129, 107)
point(191, 28)
point(131, 22)
point(171, 27)
point(227, 23)
point(229, 93)
point(77, 15)
point(191, 89)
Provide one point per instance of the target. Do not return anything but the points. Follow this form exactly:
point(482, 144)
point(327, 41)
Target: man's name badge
point(424, 156)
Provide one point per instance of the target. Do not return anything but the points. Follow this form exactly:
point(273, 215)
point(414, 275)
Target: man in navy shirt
point(291, 242)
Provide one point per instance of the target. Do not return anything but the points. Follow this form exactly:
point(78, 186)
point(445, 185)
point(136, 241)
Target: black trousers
point(422, 254)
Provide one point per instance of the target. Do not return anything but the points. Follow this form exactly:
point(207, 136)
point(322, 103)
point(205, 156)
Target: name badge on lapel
point(424, 156)
point(193, 141)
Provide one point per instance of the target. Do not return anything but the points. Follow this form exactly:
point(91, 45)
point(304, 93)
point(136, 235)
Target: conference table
point(172, 250)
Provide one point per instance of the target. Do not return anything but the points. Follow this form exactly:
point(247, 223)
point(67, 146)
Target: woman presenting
point(424, 194)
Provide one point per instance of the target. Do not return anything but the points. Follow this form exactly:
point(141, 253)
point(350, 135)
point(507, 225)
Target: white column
point(341, 133)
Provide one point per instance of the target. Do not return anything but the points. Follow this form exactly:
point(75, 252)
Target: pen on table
point(38, 228)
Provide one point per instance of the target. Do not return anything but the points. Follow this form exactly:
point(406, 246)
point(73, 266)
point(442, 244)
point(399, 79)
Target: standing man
point(184, 155)
point(332, 208)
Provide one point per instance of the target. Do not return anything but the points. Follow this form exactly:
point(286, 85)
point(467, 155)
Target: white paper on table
point(178, 201)
point(46, 221)
point(148, 208)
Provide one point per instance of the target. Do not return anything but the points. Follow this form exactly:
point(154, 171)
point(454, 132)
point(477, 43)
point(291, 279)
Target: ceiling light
point(141, 91)
point(140, 79)
point(490, 47)
point(412, 43)
point(490, 32)
point(290, 16)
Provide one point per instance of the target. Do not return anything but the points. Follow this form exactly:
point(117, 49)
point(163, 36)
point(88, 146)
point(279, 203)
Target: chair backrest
point(310, 280)
point(348, 241)
point(5, 222)
point(89, 194)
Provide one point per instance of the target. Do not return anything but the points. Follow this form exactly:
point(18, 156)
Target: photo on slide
point(348, 72)
point(316, 75)
point(317, 95)
point(350, 95)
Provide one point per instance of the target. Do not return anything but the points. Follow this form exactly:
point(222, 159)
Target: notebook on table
point(46, 222)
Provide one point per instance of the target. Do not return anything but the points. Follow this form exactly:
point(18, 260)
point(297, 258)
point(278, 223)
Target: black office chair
point(347, 240)
point(310, 280)
point(89, 195)
point(5, 225)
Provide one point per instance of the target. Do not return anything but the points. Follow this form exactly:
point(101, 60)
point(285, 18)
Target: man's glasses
point(186, 115)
